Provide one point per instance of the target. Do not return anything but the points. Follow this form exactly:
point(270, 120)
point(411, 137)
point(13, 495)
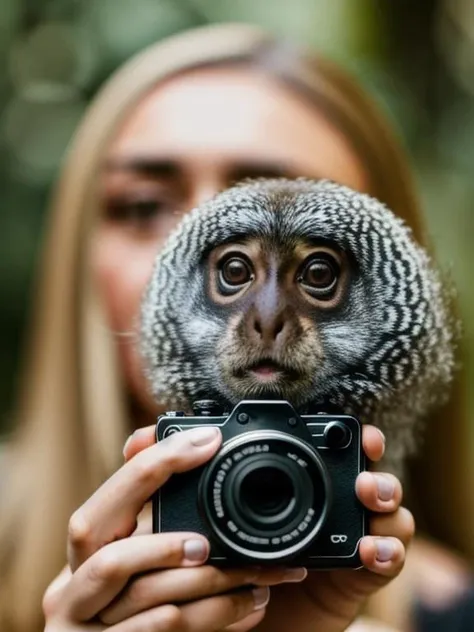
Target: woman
point(178, 123)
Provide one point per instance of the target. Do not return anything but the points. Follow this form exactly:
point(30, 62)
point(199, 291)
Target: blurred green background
point(416, 57)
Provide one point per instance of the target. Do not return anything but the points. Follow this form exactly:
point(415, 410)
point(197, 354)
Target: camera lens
point(264, 492)
point(267, 491)
point(270, 494)
point(265, 495)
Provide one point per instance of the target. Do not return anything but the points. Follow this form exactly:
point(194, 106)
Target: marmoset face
point(191, 137)
point(272, 297)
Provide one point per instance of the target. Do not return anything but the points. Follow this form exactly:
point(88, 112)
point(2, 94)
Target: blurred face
point(191, 137)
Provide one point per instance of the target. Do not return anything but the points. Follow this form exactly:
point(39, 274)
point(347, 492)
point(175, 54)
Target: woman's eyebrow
point(237, 170)
point(155, 167)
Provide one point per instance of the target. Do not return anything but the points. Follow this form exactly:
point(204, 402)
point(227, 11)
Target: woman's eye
point(319, 276)
point(145, 215)
point(135, 210)
point(234, 272)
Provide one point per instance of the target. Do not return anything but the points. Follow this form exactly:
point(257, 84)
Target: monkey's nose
point(269, 330)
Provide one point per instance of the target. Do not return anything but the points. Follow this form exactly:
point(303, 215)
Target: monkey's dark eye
point(234, 272)
point(319, 276)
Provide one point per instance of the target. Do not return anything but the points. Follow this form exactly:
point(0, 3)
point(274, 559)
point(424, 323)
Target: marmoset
point(306, 291)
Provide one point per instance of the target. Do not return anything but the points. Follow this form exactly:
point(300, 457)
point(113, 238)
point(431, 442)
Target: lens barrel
point(265, 495)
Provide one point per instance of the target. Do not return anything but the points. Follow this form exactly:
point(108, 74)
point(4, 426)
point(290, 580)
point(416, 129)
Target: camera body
point(280, 490)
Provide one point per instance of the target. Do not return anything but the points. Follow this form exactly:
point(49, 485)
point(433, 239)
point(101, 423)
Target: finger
point(54, 593)
point(99, 580)
point(399, 524)
point(383, 556)
point(383, 559)
point(373, 442)
point(379, 492)
point(190, 584)
point(139, 440)
point(206, 615)
point(247, 623)
point(174, 586)
point(111, 512)
point(219, 612)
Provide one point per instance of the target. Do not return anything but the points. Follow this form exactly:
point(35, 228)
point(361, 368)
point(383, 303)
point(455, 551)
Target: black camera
point(281, 489)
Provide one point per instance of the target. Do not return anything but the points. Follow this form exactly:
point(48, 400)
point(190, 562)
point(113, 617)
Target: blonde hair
point(73, 411)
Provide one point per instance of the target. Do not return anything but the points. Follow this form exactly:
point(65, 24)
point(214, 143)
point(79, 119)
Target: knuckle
point(53, 596)
point(145, 470)
point(213, 578)
point(241, 604)
point(79, 529)
point(172, 547)
point(139, 591)
point(105, 566)
point(171, 619)
point(49, 603)
point(171, 459)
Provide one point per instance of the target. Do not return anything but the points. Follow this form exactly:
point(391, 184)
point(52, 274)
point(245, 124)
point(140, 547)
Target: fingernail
point(385, 487)
point(261, 596)
point(295, 574)
point(385, 550)
point(195, 550)
point(201, 436)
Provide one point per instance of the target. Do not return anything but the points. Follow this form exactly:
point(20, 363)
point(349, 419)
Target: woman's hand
point(330, 600)
point(151, 581)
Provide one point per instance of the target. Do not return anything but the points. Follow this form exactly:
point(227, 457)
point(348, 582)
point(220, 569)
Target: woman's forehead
point(235, 114)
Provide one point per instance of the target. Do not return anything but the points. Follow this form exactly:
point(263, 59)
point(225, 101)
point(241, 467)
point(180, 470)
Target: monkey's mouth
point(267, 370)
